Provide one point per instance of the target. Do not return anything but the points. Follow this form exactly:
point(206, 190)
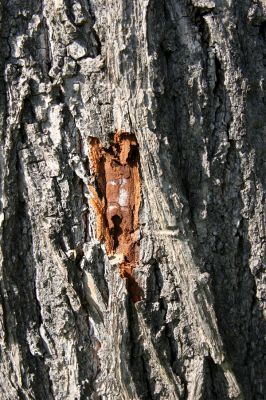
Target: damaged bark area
point(116, 200)
point(189, 78)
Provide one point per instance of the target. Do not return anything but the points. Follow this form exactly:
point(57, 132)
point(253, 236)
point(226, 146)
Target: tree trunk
point(132, 189)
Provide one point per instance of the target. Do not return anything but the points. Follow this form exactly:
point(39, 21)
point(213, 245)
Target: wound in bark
point(116, 201)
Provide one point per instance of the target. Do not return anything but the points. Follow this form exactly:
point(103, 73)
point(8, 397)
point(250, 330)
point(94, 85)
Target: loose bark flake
point(132, 199)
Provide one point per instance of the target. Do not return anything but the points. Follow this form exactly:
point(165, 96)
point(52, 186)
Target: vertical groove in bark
point(186, 81)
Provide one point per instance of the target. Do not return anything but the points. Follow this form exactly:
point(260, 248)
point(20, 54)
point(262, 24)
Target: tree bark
point(163, 297)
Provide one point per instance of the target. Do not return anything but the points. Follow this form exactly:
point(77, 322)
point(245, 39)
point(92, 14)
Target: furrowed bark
point(132, 199)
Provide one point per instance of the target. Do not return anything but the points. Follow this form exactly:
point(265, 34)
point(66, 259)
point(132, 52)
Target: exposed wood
point(166, 297)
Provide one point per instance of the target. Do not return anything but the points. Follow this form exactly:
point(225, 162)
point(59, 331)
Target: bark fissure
point(132, 199)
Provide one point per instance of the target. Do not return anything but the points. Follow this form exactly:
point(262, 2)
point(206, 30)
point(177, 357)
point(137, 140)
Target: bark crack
point(115, 198)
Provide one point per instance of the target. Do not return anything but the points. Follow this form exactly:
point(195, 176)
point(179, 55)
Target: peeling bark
point(116, 200)
point(163, 297)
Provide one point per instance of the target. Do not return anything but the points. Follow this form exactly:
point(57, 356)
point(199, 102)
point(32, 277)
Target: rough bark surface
point(185, 78)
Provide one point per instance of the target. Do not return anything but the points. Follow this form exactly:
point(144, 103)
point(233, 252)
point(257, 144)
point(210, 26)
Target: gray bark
point(187, 78)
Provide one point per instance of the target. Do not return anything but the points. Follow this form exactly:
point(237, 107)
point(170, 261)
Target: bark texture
point(186, 79)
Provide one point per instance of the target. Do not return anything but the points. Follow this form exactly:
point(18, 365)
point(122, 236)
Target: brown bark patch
point(116, 201)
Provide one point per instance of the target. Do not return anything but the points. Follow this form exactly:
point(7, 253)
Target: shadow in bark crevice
point(18, 287)
point(213, 239)
point(152, 312)
point(138, 365)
